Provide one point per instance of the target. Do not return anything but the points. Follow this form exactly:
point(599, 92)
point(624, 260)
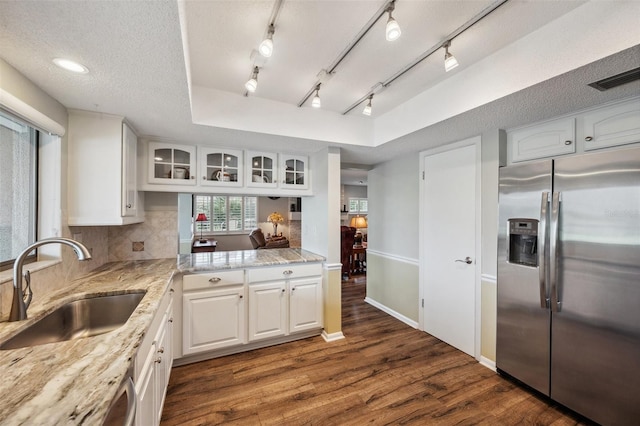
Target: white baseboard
point(491, 365)
point(391, 312)
point(332, 337)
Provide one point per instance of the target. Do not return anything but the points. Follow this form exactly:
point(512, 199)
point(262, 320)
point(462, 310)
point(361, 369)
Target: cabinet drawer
point(212, 280)
point(284, 272)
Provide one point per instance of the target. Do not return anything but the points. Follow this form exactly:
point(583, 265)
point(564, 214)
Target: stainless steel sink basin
point(77, 319)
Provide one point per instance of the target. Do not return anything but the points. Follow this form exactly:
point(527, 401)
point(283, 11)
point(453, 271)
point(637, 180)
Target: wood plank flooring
point(383, 372)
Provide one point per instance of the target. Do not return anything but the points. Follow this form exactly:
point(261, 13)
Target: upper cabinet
point(102, 177)
point(543, 140)
point(295, 171)
point(616, 125)
point(183, 168)
point(220, 167)
point(172, 164)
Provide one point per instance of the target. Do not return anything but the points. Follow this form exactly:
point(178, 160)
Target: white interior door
point(449, 246)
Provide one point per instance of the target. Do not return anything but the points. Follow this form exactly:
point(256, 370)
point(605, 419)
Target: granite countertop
point(74, 382)
point(244, 259)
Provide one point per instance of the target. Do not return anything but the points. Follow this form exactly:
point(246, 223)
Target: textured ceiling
point(139, 67)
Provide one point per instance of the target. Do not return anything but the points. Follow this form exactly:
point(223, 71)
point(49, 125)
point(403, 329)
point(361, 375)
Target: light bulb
point(393, 29)
point(367, 109)
point(316, 103)
point(266, 47)
point(450, 62)
point(251, 85)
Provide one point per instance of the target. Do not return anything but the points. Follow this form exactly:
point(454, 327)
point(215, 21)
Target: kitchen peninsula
point(75, 381)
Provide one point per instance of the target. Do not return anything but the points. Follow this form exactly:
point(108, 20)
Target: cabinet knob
point(171, 319)
point(287, 272)
point(293, 289)
point(193, 177)
point(171, 290)
point(161, 350)
point(283, 290)
point(568, 142)
point(240, 296)
point(128, 206)
point(214, 280)
point(588, 138)
point(158, 360)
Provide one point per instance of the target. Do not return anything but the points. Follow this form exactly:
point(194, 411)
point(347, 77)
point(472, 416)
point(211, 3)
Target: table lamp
point(201, 218)
point(358, 222)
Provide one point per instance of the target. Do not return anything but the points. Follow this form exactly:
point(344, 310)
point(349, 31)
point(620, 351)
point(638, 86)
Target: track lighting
point(450, 61)
point(393, 29)
point(266, 47)
point(316, 103)
point(252, 84)
point(367, 108)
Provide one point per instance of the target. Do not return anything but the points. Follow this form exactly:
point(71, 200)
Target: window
point(226, 213)
point(18, 187)
point(358, 205)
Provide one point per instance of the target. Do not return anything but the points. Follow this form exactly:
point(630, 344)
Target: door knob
point(466, 260)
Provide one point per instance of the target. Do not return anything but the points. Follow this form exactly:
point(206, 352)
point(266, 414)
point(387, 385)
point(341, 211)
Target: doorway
point(450, 245)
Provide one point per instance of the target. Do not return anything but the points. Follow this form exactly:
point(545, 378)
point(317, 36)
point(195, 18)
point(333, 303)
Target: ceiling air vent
point(617, 80)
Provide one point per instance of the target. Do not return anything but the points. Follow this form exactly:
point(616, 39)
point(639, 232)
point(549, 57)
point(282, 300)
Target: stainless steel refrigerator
point(568, 320)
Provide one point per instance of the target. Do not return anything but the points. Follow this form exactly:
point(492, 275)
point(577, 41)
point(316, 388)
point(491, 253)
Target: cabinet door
point(213, 319)
point(261, 169)
point(305, 304)
point(295, 172)
point(544, 140)
point(615, 125)
point(160, 363)
point(129, 173)
point(220, 167)
point(146, 392)
point(267, 310)
point(172, 164)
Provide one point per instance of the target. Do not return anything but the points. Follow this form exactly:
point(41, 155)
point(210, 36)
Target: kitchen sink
point(74, 320)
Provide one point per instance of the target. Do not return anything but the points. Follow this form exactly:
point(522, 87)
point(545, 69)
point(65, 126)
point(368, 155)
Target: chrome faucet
point(20, 305)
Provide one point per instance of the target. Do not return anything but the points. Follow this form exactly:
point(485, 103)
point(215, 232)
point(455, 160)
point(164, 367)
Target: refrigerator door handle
point(542, 238)
point(553, 251)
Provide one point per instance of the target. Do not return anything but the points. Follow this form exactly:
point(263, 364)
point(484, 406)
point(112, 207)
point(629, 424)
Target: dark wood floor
point(383, 372)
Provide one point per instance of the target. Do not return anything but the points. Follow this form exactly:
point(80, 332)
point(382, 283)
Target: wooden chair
point(347, 237)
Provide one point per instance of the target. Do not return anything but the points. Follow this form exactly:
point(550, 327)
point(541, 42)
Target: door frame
point(477, 142)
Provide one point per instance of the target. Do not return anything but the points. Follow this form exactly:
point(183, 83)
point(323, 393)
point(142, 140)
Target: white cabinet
point(102, 178)
point(305, 304)
point(220, 167)
point(171, 164)
point(610, 126)
point(295, 171)
point(213, 319)
point(268, 306)
point(261, 169)
point(542, 140)
point(153, 365)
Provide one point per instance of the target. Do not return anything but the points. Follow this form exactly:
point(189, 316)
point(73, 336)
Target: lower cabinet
point(213, 319)
point(153, 366)
point(268, 303)
point(305, 304)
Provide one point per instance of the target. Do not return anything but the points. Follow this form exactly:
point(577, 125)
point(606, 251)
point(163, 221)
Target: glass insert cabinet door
point(172, 164)
point(262, 169)
point(221, 167)
point(295, 171)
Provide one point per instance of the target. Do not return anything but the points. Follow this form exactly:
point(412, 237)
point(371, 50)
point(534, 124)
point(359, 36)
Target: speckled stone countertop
point(74, 382)
point(244, 259)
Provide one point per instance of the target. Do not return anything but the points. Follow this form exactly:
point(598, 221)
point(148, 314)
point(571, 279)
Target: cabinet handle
point(193, 177)
point(171, 319)
point(128, 206)
point(283, 290)
point(568, 142)
point(171, 290)
point(293, 289)
point(287, 272)
point(158, 360)
point(161, 350)
point(240, 296)
point(204, 178)
point(214, 280)
point(588, 138)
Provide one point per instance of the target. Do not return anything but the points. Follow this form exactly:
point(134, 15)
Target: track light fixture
point(450, 62)
point(252, 84)
point(367, 108)
point(266, 47)
point(393, 29)
point(316, 103)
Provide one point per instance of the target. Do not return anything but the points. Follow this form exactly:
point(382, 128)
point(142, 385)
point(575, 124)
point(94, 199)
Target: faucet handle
point(27, 289)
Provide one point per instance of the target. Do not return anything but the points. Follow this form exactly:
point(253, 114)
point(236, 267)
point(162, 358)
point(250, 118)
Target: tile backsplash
point(155, 238)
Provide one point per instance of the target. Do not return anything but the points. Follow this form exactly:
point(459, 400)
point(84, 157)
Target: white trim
point(332, 337)
point(332, 266)
point(391, 312)
point(29, 113)
point(409, 260)
point(477, 142)
point(486, 362)
point(489, 278)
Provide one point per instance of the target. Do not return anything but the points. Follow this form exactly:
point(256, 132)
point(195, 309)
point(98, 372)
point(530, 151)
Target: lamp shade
point(358, 222)
point(201, 217)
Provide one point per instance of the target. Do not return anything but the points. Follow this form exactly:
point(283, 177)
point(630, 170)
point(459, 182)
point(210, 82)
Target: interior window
point(225, 213)
point(18, 187)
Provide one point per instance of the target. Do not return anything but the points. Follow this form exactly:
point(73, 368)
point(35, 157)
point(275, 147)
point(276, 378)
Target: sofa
point(258, 241)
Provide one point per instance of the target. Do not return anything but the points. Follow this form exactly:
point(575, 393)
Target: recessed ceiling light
point(70, 65)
